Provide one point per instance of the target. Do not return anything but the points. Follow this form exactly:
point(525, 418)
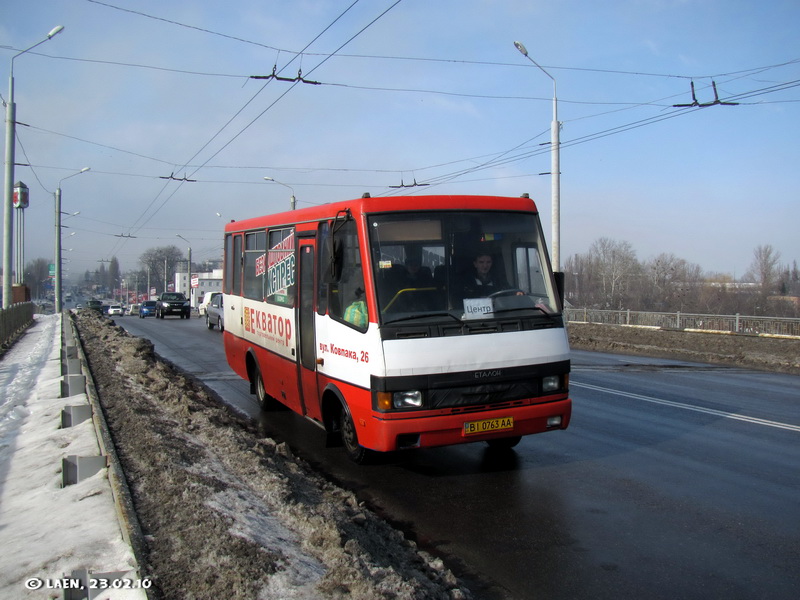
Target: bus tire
point(265, 401)
point(355, 452)
point(504, 443)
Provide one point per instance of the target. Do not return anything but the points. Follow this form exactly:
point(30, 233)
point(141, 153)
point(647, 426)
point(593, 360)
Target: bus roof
point(385, 204)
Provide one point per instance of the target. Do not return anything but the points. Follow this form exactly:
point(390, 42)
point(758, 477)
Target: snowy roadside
point(48, 530)
point(223, 512)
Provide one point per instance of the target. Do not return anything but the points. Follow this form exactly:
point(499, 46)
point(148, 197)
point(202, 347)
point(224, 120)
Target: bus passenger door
point(307, 365)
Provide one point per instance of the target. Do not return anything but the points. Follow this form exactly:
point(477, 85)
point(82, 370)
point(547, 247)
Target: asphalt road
point(674, 480)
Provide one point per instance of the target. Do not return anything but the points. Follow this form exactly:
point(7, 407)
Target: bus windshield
point(466, 265)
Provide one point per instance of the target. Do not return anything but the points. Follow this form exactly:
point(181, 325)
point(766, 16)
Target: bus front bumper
point(396, 431)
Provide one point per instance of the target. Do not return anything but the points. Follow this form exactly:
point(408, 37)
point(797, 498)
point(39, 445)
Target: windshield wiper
point(423, 316)
point(540, 307)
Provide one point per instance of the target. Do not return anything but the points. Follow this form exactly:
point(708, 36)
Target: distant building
point(206, 282)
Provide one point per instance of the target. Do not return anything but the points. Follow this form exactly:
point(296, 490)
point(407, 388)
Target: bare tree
point(156, 260)
point(37, 275)
point(671, 283)
point(616, 265)
point(114, 276)
point(610, 276)
point(764, 268)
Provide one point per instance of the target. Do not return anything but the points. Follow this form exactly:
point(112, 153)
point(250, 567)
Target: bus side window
point(255, 244)
point(233, 276)
point(280, 267)
point(324, 270)
point(228, 264)
point(347, 295)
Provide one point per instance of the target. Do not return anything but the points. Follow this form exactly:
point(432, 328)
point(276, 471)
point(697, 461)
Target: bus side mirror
point(559, 277)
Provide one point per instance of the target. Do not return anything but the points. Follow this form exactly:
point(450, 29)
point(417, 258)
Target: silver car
point(215, 314)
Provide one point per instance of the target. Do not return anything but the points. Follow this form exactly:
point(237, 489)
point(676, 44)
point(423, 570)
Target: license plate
point(488, 425)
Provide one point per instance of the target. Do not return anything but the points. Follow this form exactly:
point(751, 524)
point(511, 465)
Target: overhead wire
point(281, 96)
point(494, 158)
point(597, 135)
point(487, 164)
point(164, 202)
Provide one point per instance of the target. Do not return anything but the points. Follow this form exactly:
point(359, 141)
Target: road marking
point(708, 411)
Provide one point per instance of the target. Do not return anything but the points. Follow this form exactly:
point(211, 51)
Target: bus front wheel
point(357, 453)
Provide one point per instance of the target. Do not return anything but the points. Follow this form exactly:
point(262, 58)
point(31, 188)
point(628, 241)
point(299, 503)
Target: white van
point(207, 298)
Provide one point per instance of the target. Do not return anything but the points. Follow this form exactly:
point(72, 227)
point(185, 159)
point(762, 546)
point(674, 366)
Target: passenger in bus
point(356, 312)
point(415, 275)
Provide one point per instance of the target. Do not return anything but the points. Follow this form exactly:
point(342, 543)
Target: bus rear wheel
point(357, 453)
point(265, 401)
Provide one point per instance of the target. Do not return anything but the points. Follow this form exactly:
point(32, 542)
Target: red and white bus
point(401, 322)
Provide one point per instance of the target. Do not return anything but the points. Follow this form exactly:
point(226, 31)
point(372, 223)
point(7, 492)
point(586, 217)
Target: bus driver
point(481, 281)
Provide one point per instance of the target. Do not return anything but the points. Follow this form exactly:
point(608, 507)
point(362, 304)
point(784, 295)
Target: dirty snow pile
point(226, 513)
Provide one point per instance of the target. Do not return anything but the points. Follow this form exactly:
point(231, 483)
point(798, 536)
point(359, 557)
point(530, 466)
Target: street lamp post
point(188, 270)
point(555, 168)
point(292, 200)
point(58, 239)
point(11, 120)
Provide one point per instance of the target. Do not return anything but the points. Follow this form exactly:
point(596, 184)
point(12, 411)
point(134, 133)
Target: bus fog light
point(554, 421)
point(411, 399)
point(551, 383)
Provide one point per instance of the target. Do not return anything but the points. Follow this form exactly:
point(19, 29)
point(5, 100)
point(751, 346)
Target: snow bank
point(47, 530)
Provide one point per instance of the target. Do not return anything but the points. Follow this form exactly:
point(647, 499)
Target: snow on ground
point(46, 530)
point(224, 512)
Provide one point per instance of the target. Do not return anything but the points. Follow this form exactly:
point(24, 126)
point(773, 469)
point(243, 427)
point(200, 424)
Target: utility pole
point(59, 304)
point(555, 168)
point(188, 271)
point(11, 122)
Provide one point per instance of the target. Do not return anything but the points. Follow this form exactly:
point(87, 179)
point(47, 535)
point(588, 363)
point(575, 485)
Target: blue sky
point(411, 90)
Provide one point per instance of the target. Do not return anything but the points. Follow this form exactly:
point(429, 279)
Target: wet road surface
point(674, 480)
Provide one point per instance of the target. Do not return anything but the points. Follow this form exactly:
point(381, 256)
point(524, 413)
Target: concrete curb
point(74, 359)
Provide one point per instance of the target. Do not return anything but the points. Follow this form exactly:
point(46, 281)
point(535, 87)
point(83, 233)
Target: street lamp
point(11, 119)
point(555, 168)
point(58, 238)
point(293, 201)
point(188, 270)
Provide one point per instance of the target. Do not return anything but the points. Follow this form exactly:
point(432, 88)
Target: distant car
point(133, 309)
point(147, 309)
point(201, 309)
point(215, 314)
point(115, 310)
point(173, 303)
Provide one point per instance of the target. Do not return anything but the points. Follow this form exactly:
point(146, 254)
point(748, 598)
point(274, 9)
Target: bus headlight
point(410, 399)
point(551, 383)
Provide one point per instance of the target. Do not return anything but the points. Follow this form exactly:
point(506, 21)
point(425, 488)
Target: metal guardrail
point(729, 323)
point(14, 320)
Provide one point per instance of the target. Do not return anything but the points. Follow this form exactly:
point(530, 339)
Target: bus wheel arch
point(340, 426)
point(257, 385)
point(251, 364)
